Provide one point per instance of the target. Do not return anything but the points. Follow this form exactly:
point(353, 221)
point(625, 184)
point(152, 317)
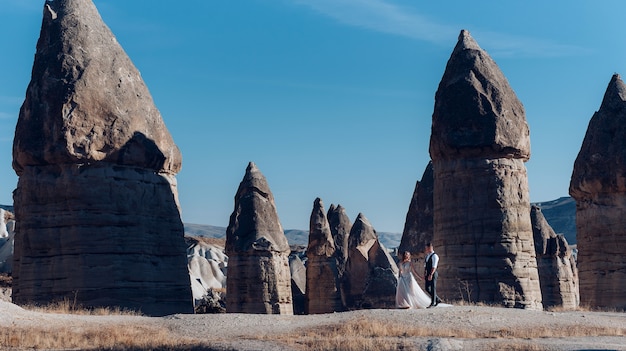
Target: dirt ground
point(270, 332)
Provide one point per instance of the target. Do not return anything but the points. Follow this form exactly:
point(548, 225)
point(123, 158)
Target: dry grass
point(367, 334)
point(6, 281)
point(67, 306)
point(122, 337)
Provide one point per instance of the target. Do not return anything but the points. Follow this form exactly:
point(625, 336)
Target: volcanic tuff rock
point(340, 227)
point(96, 200)
point(599, 187)
point(7, 236)
point(298, 284)
point(418, 227)
point(370, 278)
point(322, 276)
point(207, 267)
point(558, 275)
point(479, 143)
point(259, 280)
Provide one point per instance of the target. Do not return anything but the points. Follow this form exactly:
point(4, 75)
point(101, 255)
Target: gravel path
point(256, 332)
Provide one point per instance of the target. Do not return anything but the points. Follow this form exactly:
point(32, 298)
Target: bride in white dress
point(409, 294)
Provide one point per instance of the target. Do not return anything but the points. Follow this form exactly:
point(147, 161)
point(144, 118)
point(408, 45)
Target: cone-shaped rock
point(599, 187)
point(418, 227)
point(96, 200)
point(321, 273)
point(479, 143)
point(340, 226)
point(259, 280)
point(370, 278)
point(558, 275)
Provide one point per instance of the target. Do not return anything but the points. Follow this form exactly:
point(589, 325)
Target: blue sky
point(334, 98)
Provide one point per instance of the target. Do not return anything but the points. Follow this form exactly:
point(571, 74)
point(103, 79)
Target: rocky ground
point(273, 332)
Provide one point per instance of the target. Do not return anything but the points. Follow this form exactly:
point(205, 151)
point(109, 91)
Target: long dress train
point(409, 294)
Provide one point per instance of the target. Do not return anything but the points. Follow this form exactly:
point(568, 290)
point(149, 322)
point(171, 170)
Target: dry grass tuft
point(6, 281)
point(67, 306)
point(122, 337)
point(367, 334)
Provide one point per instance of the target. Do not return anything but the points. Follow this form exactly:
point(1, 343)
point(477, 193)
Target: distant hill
point(561, 215)
point(294, 236)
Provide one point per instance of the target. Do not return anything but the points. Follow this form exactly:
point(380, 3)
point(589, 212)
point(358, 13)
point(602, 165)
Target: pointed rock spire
point(370, 277)
point(476, 111)
point(86, 102)
point(599, 188)
point(418, 227)
point(558, 274)
point(259, 280)
point(321, 274)
point(481, 220)
point(96, 168)
point(340, 227)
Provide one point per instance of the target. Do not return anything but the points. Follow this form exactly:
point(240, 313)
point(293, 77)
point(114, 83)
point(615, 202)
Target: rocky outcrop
point(7, 237)
point(598, 185)
point(370, 278)
point(298, 284)
point(207, 266)
point(259, 280)
point(322, 276)
point(558, 275)
point(340, 227)
point(478, 145)
point(96, 200)
point(418, 227)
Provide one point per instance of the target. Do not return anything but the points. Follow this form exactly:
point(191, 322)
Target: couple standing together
point(409, 294)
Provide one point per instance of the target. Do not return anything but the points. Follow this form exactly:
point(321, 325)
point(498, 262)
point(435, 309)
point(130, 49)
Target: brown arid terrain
point(463, 327)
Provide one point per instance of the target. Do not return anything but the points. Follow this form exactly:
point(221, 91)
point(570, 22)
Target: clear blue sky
point(334, 98)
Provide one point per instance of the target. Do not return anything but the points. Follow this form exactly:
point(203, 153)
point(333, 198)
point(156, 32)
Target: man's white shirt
point(435, 259)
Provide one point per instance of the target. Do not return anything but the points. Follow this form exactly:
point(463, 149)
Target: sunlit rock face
point(598, 185)
point(96, 201)
point(478, 145)
point(340, 227)
point(558, 274)
point(259, 279)
point(418, 227)
point(321, 272)
point(370, 278)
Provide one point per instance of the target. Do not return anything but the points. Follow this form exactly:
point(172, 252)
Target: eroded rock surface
point(259, 279)
point(340, 227)
point(599, 187)
point(323, 295)
point(370, 278)
point(418, 227)
point(479, 143)
point(96, 200)
point(558, 274)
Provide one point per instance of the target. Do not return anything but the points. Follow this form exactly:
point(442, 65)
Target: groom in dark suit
point(430, 273)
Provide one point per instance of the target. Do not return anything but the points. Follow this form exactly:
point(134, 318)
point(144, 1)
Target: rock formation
point(370, 278)
point(259, 280)
point(298, 284)
point(96, 200)
point(340, 226)
point(558, 275)
point(322, 276)
point(479, 143)
point(207, 264)
point(418, 227)
point(599, 187)
point(7, 236)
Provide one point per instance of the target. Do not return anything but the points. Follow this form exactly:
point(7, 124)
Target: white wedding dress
point(409, 294)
